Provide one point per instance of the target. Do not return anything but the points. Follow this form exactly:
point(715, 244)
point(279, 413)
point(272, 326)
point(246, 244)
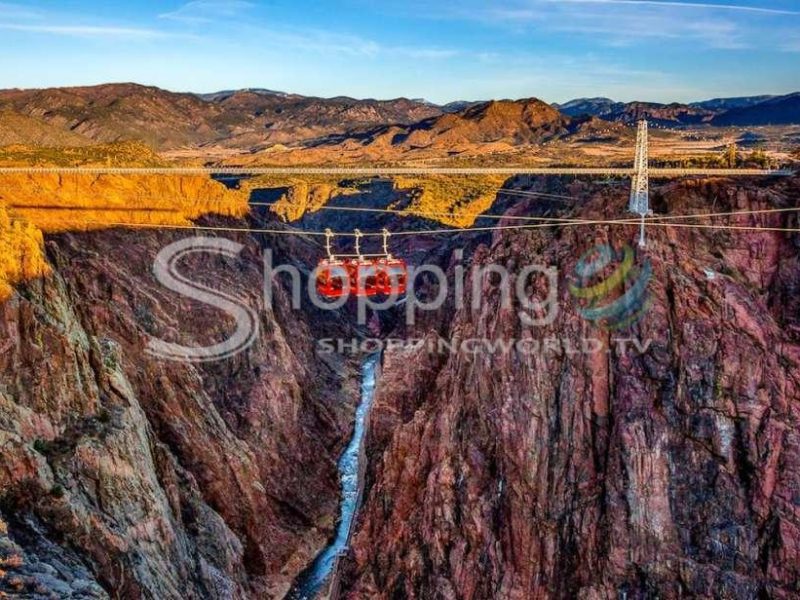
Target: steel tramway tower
point(640, 182)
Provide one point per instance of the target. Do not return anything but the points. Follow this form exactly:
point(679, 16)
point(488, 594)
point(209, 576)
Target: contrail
point(739, 7)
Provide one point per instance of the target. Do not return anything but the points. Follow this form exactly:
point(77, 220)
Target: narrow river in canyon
point(310, 582)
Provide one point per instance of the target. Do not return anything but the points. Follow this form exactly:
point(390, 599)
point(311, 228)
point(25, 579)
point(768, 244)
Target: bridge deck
point(361, 171)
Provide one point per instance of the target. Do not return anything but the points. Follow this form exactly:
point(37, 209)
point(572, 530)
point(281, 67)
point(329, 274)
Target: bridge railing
point(362, 171)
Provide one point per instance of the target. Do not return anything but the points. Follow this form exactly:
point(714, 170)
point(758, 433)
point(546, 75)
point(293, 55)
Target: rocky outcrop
point(57, 202)
point(669, 472)
point(21, 252)
point(123, 475)
point(51, 202)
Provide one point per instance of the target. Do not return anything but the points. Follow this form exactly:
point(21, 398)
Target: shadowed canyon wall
point(126, 476)
point(669, 473)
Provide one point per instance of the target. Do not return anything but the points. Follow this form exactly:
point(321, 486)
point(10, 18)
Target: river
point(312, 580)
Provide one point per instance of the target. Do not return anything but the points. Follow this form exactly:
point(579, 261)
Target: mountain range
point(163, 119)
point(740, 111)
point(256, 119)
point(502, 122)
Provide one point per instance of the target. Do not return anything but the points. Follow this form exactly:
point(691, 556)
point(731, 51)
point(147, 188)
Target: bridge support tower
point(640, 184)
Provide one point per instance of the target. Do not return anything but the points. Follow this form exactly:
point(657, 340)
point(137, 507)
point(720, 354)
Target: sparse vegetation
point(300, 195)
point(41, 446)
point(758, 158)
point(708, 160)
point(731, 156)
point(117, 154)
point(104, 416)
point(455, 201)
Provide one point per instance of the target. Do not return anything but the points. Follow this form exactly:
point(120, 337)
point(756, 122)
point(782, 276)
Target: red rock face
point(155, 479)
point(670, 473)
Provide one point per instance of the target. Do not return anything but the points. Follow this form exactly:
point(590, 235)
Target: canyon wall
point(123, 475)
point(33, 203)
point(671, 472)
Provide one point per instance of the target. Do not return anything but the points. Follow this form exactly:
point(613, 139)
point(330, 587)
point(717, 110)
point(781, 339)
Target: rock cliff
point(126, 476)
point(672, 472)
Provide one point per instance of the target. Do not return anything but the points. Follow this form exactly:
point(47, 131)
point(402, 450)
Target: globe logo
point(612, 289)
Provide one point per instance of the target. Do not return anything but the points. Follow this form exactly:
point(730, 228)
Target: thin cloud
point(204, 11)
point(87, 31)
point(421, 53)
point(314, 40)
point(791, 45)
point(625, 30)
point(623, 23)
point(328, 42)
point(15, 11)
point(673, 5)
point(627, 24)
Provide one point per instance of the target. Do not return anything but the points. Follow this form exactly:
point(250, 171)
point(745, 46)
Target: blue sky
point(659, 50)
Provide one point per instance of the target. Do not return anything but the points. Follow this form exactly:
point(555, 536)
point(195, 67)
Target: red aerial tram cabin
point(392, 276)
point(360, 275)
point(333, 279)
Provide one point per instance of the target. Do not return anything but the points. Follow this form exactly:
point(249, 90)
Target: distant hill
point(596, 107)
point(744, 110)
point(459, 105)
point(242, 119)
point(722, 104)
point(780, 110)
point(291, 118)
point(514, 122)
point(483, 128)
point(665, 115)
point(223, 94)
point(114, 112)
point(16, 128)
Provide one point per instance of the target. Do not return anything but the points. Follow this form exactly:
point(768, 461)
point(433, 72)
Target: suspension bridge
point(654, 173)
point(639, 203)
point(640, 171)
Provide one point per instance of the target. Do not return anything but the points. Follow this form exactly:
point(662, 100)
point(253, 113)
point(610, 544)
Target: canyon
point(123, 472)
point(669, 472)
